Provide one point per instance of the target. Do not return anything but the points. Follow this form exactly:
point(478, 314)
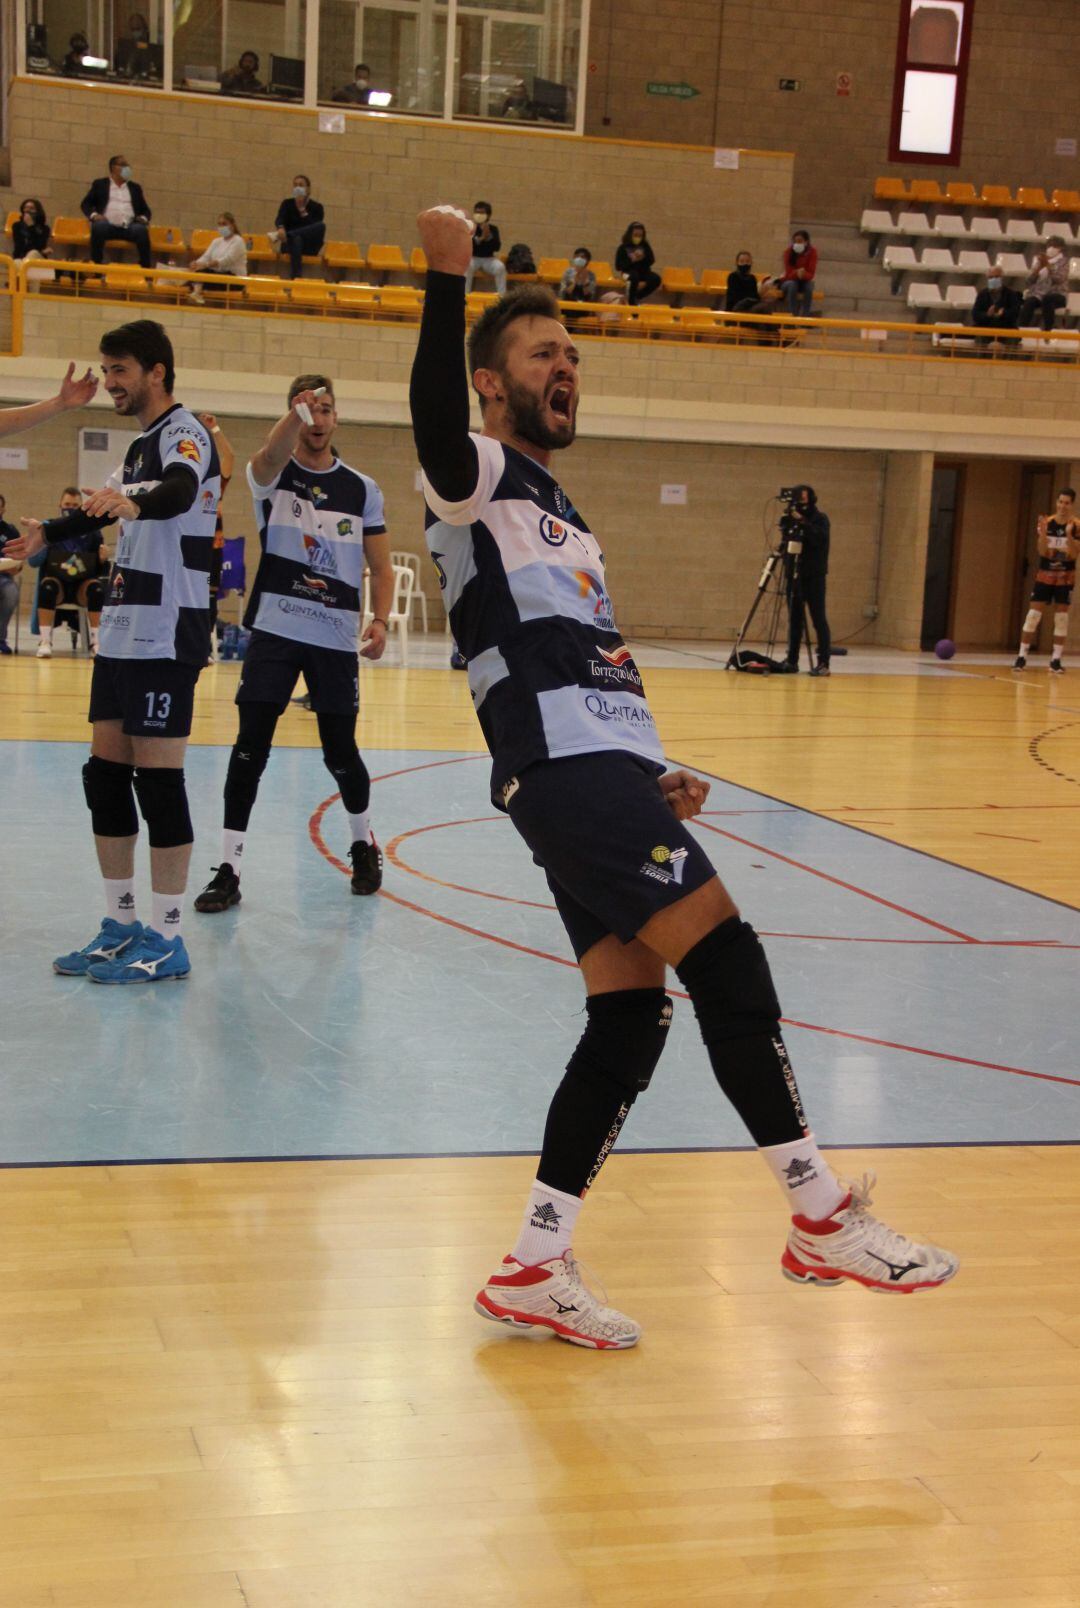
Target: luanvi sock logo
point(545, 1216)
point(172, 917)
point(799, 1172)
point(126, 901)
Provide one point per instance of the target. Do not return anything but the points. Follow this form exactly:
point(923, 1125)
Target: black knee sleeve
point(613, 1063)
point(246, 765)
point(95, 596)
point(49, 592)
point(163, 801)
point(730, 985)
point(337, 733)
point(109, 797)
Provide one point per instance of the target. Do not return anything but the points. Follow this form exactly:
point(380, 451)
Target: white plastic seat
point(973, 262)
point(924, 297)
point(1022, 229)
point(412, 561)
point(1072, 304)
point(949, 227)
point(899, 259)
point(986, 229)
point(874, 222)
point(1074, 268)
point(400, 607)
point(937, 260)
point(962, 296)
point(1013, 264)
point(913, 223)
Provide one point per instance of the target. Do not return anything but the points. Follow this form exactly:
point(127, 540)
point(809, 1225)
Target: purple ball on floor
point(945, 649)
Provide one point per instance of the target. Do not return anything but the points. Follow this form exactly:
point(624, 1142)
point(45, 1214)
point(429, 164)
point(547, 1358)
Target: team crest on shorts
point(664, 865)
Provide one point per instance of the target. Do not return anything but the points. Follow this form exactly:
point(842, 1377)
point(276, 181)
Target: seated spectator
point(132, 52)
point(578, 283)
point(634, 260)
point(485, 252)
point(358, 93)
point(226, 254)
point(117, 210)
point(1045, 290)
point(299, 228)
point(78, 47)
point(9, 584)
point(770, 295)
point(30, 233)
point(68, 579)
point(742, 285)
point(996, 306)
point(800, 270)
point(243, 79)
point(519, 259)
point(517, 104)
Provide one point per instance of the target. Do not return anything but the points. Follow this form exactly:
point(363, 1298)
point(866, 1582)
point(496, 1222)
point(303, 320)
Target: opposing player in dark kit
point(578, 767)
point(319, 521)
point(1055, 577)
point(154, 639)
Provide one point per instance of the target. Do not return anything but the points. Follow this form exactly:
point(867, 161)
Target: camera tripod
point(777, 589)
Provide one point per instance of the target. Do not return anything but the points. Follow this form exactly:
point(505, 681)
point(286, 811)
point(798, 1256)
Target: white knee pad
point(1061, 627)
point(1031, 624)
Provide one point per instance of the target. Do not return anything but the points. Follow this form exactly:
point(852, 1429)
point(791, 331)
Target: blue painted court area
point(926, 1004)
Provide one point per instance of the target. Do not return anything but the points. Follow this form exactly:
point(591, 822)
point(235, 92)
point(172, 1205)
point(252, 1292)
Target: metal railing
point(11, 307)
point(350, 302)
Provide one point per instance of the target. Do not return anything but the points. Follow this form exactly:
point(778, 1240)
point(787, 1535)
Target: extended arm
point(280, 444)
point(439, 388)
point(73, 393)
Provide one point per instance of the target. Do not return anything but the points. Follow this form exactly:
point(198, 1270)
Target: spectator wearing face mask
point(77, 49)
point(634, 260)
point(117, 209)
point(243, 79)
point(742, 284)
point(358, 93)
point(30, 233)
point(487, 243)
point(1046, 286)
point(226, 254)
point(299, 226)
point(69, 578)
point(996, 306)
point(800, 270)
point(578, 283)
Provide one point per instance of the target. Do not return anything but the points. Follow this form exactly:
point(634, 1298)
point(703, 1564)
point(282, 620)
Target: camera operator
point(806, 536)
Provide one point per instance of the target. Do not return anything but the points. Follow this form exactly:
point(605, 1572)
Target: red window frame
point(906, 63)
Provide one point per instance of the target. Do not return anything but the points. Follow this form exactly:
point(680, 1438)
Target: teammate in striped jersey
point(577, 765)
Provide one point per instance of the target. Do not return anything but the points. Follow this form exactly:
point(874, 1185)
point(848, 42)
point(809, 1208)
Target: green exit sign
point(674, 91)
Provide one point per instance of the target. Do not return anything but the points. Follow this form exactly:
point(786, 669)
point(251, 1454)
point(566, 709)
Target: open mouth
point(561, 402)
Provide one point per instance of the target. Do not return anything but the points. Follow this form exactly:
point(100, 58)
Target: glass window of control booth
point(378, 57)
point(110, 41)
point(518, 59)
point(250, 48)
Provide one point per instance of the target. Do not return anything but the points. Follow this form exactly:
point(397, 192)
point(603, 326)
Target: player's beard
point(132, 402)
point(525, 415)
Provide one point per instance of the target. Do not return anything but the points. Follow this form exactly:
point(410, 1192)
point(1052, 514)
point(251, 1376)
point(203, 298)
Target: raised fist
point(446, 235)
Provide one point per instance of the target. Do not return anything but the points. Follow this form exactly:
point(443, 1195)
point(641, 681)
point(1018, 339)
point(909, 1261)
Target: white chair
point(1074, 268)
point(1072, 304)
point(924, 298)
point(949, 227)
point(973, 262)
point(1023, 230)
point(1013, 264)
point(400, 607)
point(899, 259)
point(961, 296)
point(913, 223)
point(986, 229)
point(412, 561)
point(937, 260)
point(877, 225)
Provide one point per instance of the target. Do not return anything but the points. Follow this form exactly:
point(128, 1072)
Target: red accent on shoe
point(834, 1275)
point(539, 1322)
point(823, 1225)
point(522, 1278)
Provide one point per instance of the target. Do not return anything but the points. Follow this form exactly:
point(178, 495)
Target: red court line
point(839, 882)
point(458, 887)
point(315, 831)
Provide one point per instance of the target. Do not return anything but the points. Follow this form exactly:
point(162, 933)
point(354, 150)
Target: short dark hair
point(254, 54)
point(482, 206)
point(487, 334)
point(71, 491)
point(145, 341)
point(1056, 240)
point(803, 234)
point(310, 382)
point(1067, 491)
point(583, 251)
point(305, 178)
point(361, 67)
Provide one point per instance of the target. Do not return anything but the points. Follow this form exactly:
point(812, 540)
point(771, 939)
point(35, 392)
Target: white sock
point(168, 914)
point(360, 826)
point(805, 1177)
point(548, 1225)
point(232, 848)
point(46, 634)
point(120, 899)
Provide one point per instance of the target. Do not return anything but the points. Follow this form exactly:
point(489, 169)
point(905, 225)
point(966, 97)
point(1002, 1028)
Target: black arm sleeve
point(439, 391)
point(67, 533)
point(173, 495)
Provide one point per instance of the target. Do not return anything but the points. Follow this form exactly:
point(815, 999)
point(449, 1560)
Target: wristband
point(216, 430)
point(376, 620)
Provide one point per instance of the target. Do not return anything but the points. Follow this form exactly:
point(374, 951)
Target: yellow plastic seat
point(928, 191)
point(1032, 198)
point(166, 239)
point(173, 285)
point(70, 232)
point(891, 190)
point(259, 248)
point(961, 193)
point(262, 288)
point(12, 218)
point(657, 320)
point(698, 320)
point(355, 297)
point(1065, 201)
point(715, 279)
point(344, 254)
point(201, 240)
point(418, 261)
point(400, 301)
point(311, 293)
point(995, 195)
point(551, 269)
point(477, 300)
point(386, 260)
point(125, 279)
point(606, 278)
point(677, 280)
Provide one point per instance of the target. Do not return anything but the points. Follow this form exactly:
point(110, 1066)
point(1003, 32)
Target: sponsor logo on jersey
point(509, 789)
point(187, 448)
point(118, 622)
point(440, 572)
point(616, 657)
point(619, 714)
point(552, 531)
point(116, 594)
point(208, 502)
point(603, 617)
point(319, 556)
point(344, 527)
point(318, 496)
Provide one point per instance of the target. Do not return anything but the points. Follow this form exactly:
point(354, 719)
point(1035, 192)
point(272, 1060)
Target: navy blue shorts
point(272, 665)
point(151, 697)
point(613, 851)
point(1044, 592)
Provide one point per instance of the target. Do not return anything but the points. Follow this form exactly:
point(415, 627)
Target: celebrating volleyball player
point(578, 767)
point(318, 520)
point(154, 639)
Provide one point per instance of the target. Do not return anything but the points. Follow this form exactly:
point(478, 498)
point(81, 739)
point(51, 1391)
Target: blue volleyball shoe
point(114, 940)
point(153, 959)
